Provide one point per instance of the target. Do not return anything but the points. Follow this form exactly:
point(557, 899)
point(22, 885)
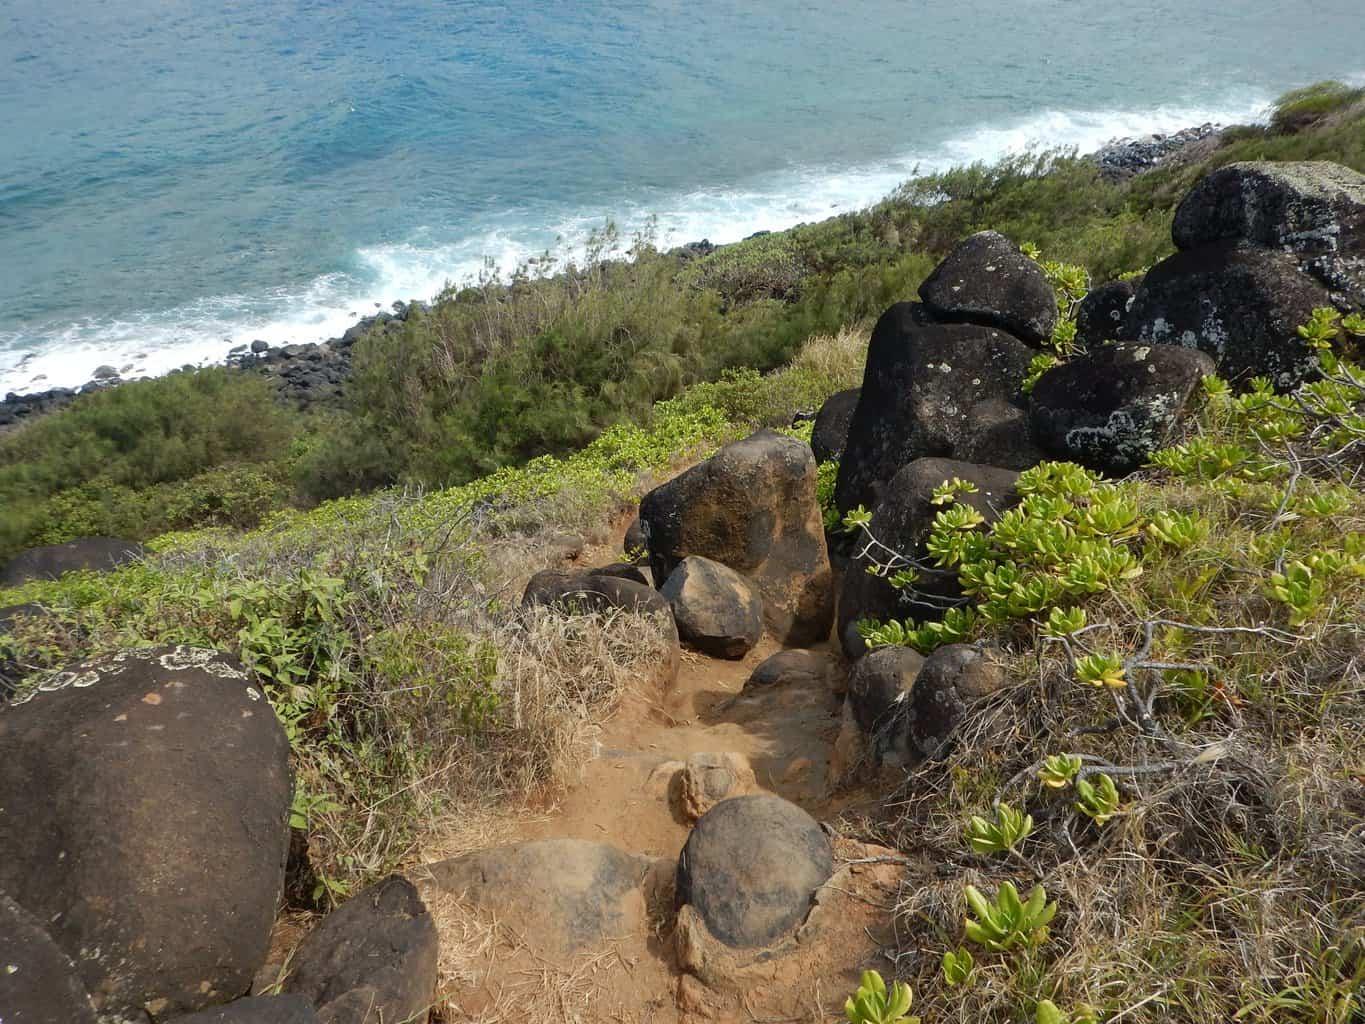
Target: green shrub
point(1299, 108)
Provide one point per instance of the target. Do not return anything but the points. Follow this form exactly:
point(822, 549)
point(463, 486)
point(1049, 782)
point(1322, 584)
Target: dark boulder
point(258, 346)
point(257, 1010)
point(1111, 408)
point(98, 554)
point(751, 867)
point(987, 280)
point(634, 545)
point(1100, 315)
point(902, 522)
point(751, 507)
point(1240, 304)
point(878, 690)
point(830, 433)
point(370, 961)
point(144, 802)
point(952, 679)
point(934, 390)
point(38, 982)
point(1306, 207)
point(564, 896)
point(716, 610)
point(584, 593)
point(623, 571)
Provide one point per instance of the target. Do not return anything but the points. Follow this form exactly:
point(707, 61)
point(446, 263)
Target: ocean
point(178, 177)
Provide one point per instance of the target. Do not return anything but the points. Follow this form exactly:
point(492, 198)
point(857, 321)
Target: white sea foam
point(203, 332)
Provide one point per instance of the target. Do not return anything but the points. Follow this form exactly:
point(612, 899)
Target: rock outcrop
point(902, 522)
point(94, 554)
point(830, 433)
point(751, 867)
point(257, 1010)
point(934, 390)
point(751, 507)
point(1111, 408)
point(144, 801)
point(1101, 314)
point(371, 960)
point(716, 610)
point(986, 280)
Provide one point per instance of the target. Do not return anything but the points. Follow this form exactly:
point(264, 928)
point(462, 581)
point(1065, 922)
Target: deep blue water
point(179, 176)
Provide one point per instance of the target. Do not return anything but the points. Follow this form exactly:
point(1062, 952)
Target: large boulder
point(934, 390)
point(716, 610)
point(97, 554)
point(1306, 207)
point(751, 507)
point(370, 961)
point(751, 867)
point(38, 981)
point(1241, 305)
point(987, 280)
point(902, 522)
point(878, 690)
point(830, 433)
point(1111, 408)
point(1100, 315)
point(257, 1010)
point(564, 896)
point(951, 680)
point(144, 802)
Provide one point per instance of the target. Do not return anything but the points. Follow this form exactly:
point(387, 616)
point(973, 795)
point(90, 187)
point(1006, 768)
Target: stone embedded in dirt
point(1307, 207)
point(634, 545)
point(752, 507)
point(878, 693)
point(716, 610)
point(622, 570)
point(38, 981)
point(750, 868)
point(144, 802)
point(371, 960)
point(96, 554)
point(564, 896)
point(902, 522)
point(1111, 408)
point(830, 433)
point(794, 668)
point(986, 280)
point(1241, 305)
point(934, 390)
point(707, 779)
point(953, 678)
point(257, 1010)
point(1100, 315)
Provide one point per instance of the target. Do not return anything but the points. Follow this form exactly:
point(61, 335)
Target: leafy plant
point(1008, 922)
point(1101, 670)
point(1007, 831)
point(957, 967)
point(1059, 770)
point(873, 1004)
point(1097, 797)
point(1065, 621)
point(1047, 1013)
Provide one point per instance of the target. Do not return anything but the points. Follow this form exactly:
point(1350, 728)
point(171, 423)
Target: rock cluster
point(1124, 158)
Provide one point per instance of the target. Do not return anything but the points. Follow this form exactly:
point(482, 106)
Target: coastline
point(315, 371)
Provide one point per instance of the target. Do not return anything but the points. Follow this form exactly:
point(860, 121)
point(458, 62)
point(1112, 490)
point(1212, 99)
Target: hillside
point(609, 684)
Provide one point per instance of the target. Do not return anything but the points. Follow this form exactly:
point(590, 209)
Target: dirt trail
point(625, 798)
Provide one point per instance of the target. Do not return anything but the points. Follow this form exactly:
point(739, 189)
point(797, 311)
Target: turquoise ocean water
point(181, 176)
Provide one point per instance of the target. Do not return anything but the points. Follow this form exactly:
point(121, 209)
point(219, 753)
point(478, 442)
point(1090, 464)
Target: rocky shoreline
point(316, 372)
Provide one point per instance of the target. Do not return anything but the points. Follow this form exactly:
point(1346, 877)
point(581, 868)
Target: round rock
point(986, 280)
point(952, 679)
point(830, 433)
point(1111, 408)
point(878, 690)
point(1100, 316)
point(793, 668)
point(716, 610)
point(751, 867)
